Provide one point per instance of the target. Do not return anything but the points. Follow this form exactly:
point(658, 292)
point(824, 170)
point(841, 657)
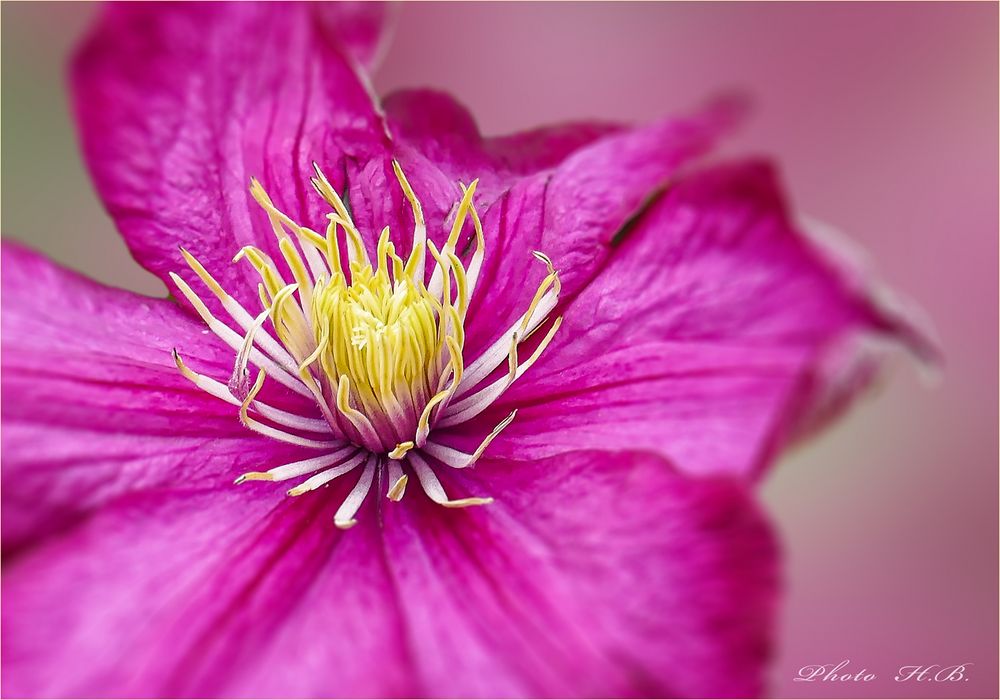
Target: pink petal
point(573, 212)
point(238, 592)
point(180, 105)
point(93, 405)
point(546, 147)
point(714, 335)
point(358, 27)
point(592, 574)
point(439, 145)
point(442, 130)
point(564, 190)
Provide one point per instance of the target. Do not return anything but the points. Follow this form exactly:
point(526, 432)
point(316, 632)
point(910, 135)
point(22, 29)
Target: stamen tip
point(253, 476)
point(181, 366)
point(345, 524)
point(401, 449)
point(543, 257)
point(396, 492)
point(466, 502)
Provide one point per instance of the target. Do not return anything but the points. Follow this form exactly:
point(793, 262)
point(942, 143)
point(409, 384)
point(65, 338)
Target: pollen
point(376, 342)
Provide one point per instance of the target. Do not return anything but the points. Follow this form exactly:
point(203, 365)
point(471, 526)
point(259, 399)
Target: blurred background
point(883, 119)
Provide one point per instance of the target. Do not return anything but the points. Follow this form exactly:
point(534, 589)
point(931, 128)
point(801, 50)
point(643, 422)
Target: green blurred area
point(47, 199)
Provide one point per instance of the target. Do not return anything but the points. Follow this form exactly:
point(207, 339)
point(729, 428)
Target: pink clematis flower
point(536, 377)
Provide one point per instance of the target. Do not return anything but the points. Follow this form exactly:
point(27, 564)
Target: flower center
point(378, 345)
point(382, 336)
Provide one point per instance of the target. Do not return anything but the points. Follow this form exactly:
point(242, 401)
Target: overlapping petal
point(652, 584)
point(707, 337)
point(435, 125)
point(179, 108)
point(563, 190)
point(93, 406)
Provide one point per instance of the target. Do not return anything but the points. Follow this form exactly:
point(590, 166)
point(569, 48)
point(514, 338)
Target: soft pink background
point(884, 121)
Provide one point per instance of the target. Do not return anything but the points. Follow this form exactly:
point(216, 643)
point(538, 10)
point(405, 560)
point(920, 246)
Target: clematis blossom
point(494, 407)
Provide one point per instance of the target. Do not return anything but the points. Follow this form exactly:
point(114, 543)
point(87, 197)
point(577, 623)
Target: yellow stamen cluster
point(378, 346)
point(388, 348)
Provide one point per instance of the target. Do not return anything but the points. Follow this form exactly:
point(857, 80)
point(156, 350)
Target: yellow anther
point(401, 449)
point(398, 488)
point(253, 476)
point(551, 281)
point(466, 502)
point(202, 273)
point(463, 211)
point(254, 390)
